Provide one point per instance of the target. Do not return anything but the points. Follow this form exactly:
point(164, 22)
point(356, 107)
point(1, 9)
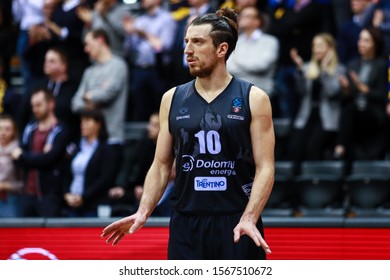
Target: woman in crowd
point(316, 124)
point(363, 121)
point(90, 169)
point(10, 177)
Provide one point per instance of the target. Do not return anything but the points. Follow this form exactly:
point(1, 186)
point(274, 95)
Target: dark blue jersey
point(213, 149)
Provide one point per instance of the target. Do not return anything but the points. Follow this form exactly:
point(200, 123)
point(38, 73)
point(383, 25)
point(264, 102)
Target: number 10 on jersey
point(209, 142)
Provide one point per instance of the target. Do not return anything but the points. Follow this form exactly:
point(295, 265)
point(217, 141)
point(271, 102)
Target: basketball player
point(220, 130)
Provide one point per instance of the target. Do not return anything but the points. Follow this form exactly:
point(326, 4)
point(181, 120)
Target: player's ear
point(222, 49)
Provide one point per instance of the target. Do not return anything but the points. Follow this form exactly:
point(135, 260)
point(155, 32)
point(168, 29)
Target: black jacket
point(99, 176)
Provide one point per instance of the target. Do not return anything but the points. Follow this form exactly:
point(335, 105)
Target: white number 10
point(210, 141)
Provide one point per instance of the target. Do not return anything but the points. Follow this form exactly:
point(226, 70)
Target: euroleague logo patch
point(237, 105)
point(32, 254)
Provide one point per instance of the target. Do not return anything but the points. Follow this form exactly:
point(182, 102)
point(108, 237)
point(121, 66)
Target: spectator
point(39, 43)
point(7, 38)
point(342, 13)
point(363, 120)
point(239, 5)
point(317, 121)
point(27, 13)
point(294, 23)
point(149, 41)
point(197, 7)
point(179, 9)
point(56, 80)
point(106, 15)
point(41, 155)
point(104, 87)
point(10, 178)
point(381, 20)
point(129, 185)
point(90, 171)
point(349, 31)
point(246, 62)
point(66, 30)
point(9, 100)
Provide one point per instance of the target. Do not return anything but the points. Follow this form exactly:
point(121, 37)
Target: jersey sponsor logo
point(216, 167)
point(247, 188)
point(210, 184)
point(235, 117)
point(188, 163)
point(183, 111)
point(182, 117)
point(215, 164)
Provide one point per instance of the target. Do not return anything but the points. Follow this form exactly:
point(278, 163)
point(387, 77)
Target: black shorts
point(210, 237)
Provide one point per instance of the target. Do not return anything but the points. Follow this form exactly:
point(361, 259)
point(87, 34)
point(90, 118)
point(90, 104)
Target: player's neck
point(212, 85)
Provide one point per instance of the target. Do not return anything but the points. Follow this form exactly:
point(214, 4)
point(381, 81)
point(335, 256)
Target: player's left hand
point(250, 229)
point(117, 230)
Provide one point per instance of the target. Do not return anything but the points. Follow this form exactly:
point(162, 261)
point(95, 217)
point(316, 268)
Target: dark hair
point(377, 37)
point(98, 117)
point(61, 53)
point(224, 28)
point(12, 120)
point(46, 92)
point(101, 33)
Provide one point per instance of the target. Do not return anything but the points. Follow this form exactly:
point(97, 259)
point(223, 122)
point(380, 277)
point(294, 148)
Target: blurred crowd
point(91, 66)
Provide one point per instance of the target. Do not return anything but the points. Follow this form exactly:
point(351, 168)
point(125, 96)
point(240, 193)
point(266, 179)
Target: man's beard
point(41, 116)
point(201, 73)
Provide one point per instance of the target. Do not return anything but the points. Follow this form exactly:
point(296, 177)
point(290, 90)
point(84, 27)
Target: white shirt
point(79, 165)
point(28, 12)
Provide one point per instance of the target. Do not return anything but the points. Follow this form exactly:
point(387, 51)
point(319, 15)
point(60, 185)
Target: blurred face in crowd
point(241, 4)
point(197, 3)
point(319, 48)
point(90, 128)
point(366, 44)
point(108, 2)
point(48, 7)
point(200, 52)
point(7, 131)
point(53, 64)
point(248, 19)
point(41, 107)
point(150, 4)
point(92, 46)
point(153, 126)
point(358, 6)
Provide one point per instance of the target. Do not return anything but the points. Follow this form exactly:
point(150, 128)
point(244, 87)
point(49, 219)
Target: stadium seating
point(369, 188)
point(282, 199)
point(320, 188)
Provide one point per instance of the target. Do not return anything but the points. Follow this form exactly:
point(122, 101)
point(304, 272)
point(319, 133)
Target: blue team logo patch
point(237, 105)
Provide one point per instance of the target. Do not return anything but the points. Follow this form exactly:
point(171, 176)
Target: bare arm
point(263, 143)
point(158, 175)
point(155, 182)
